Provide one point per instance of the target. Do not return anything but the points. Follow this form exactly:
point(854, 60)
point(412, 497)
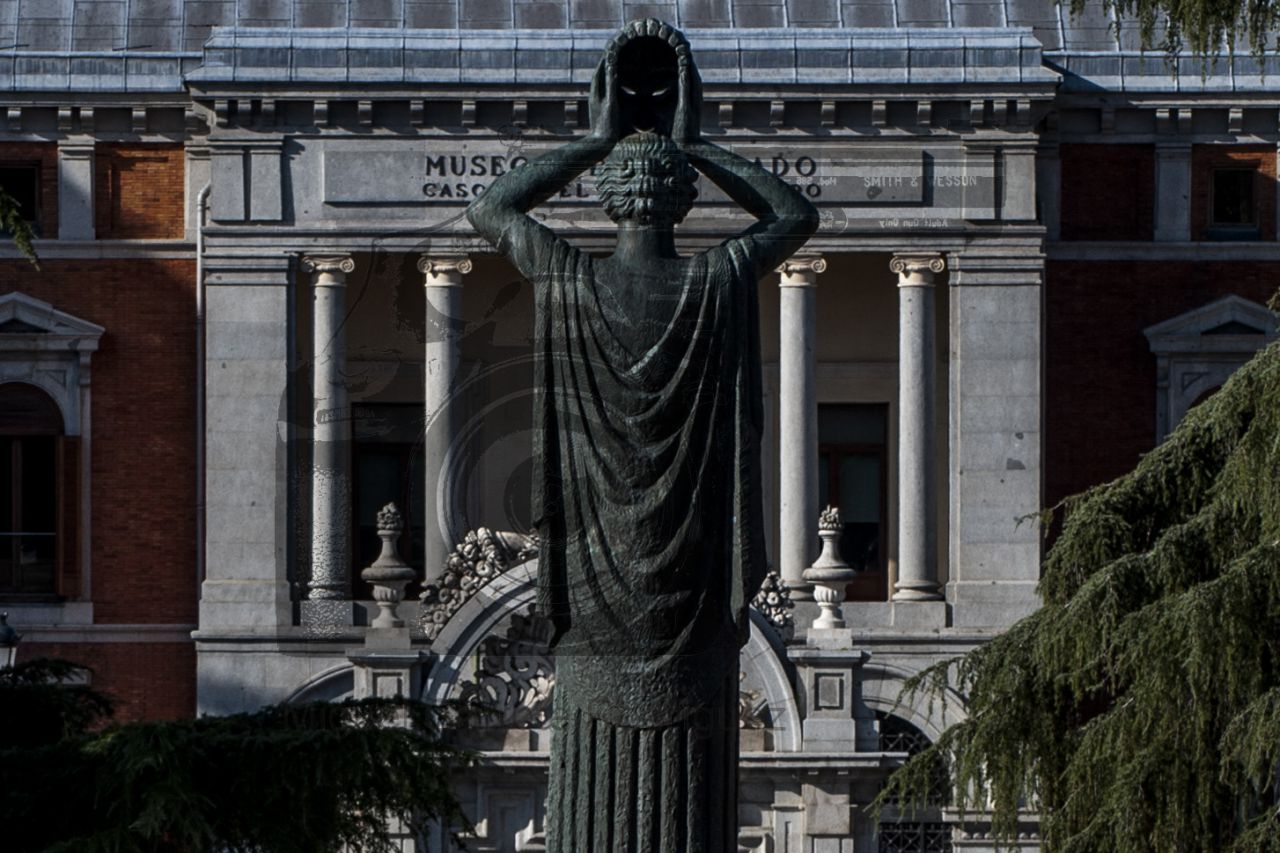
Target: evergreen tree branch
point(19, 229)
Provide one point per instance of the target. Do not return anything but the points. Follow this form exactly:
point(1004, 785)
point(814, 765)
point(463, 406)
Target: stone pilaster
point(444, 325)
point(75, 189)
point(798, 421)
point(331, 447)
point(1173, 192)
point(917, 522)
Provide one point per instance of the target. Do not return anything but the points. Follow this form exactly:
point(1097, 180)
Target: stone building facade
point(262, 316)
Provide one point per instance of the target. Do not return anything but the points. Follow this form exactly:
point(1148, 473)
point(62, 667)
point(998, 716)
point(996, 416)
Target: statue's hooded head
point(647, 180)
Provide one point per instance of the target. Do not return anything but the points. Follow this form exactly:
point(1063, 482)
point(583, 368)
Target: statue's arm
point(786, 219)
point(501, 213)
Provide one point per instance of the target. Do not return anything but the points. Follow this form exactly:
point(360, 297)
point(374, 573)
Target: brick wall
point(46, 155)
point(143, 466)
point(143, 427)
point(139, 191)
point(1206, 158)
point(1100, 375)
point(149, 681)
point(1108, 192)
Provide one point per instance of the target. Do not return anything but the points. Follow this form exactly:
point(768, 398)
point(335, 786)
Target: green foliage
point(1139, 709)
point(302, 778)
point(1202, 27)
point(19, 229)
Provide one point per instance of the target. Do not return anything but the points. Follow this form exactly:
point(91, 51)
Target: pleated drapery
point(666, 789)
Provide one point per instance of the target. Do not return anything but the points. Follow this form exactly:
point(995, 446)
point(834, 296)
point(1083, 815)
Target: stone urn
point(389, 574)
point(829, 574)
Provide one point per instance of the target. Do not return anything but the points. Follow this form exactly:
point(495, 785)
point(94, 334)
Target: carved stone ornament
point(438, 266)
point(329, 264)
point(774, 603)
point(802, 264)
point(752, 707)
point(482, 555)
point(917, 269)
point(516, 676)
point(515, 679)
point(829, 574)
point(389, 574)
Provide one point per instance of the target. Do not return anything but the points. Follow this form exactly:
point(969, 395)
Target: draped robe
point(647, 499)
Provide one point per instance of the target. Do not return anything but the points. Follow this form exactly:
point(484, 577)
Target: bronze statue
point(647, 421)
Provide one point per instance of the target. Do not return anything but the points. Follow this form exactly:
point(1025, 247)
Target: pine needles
point(1139, 709)
point(287, 779)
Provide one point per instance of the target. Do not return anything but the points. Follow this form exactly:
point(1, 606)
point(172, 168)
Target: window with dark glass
point(852, 476)
point(1232, 204)
point(388, 468)
point(31, 452)
point(22, 182)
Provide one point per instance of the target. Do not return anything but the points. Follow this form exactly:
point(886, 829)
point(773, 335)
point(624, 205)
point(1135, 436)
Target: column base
point(916, 591)
point(326, 615)
point(919, 615)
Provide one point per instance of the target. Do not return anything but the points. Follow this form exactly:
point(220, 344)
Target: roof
point(125, 45)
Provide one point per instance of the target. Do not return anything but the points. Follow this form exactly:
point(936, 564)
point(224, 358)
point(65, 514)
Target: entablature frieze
point(899, 109)
point(137, 119)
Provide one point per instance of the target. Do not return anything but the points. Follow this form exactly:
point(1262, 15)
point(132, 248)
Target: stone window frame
point(56, 358)
point(1193, 357)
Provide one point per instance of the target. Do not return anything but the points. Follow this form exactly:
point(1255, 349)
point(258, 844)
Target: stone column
point(917, 523)
point(331, 442)
point(798, 421)
point(443, 343)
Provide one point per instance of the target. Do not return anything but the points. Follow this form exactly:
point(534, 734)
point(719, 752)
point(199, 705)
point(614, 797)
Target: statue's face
point(647, 78)
point(647, 180)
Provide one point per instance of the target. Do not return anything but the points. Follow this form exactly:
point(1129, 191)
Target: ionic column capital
point(328, 269)
point(444, 271)
point(801, 270)
point(917, 269)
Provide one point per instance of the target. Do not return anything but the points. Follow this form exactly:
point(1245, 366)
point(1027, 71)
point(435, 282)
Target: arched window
point(924, 831)
point(33, 458)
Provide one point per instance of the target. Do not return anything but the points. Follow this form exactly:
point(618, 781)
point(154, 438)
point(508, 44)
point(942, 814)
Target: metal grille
point(897, 735)
point(915, 838)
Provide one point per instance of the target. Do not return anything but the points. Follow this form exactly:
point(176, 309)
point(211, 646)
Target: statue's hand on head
point(603, 107)
point(686, 129)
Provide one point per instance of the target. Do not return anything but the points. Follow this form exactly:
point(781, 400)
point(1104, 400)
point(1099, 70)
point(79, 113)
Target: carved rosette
point(917, 270)
point(774, 603)
point(482, 555)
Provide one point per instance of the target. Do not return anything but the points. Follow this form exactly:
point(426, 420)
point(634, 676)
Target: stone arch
point(514, 590)
point(331, 685)
point(881, 691)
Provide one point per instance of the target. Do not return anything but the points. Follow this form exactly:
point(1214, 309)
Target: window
point(1233, 192)
point(852, 476)
point(1232, 203)
point(22, 182)
point(33, 453)
point(45, 387)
